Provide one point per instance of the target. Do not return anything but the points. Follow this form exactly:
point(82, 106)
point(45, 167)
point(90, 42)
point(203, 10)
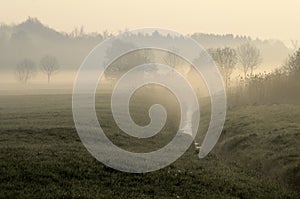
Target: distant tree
point(295, 44)
point(292, 64)
point(25, 70)
point(49, 65)
point(249, 57)
point(176, 62)
point(81, 32)
point(172, 59)
point(106, 34)
point(75, 33)
point(226, 59)
point(126, 62)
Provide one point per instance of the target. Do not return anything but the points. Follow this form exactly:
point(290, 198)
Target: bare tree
point(25, 70)
point(292, 64)
point(295, 44)
point(226, 59)
point(172, 59)
point(175, 61)
point(106, 34)
point(49, 65)
point(249, 57)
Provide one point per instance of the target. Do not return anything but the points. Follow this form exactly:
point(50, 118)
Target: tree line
point(247, 87)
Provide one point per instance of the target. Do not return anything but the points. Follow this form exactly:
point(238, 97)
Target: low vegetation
point(42, 156)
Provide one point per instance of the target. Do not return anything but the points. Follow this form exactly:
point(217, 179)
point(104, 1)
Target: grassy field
point(41, 155)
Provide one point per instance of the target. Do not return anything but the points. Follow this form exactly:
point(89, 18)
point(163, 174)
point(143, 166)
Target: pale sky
point(266, 19)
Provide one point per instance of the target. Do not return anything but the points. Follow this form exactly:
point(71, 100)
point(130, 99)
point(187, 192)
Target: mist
point(34, 40)
point(91, 107)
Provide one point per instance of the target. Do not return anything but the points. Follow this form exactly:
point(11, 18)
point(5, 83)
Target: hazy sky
point(257, 18)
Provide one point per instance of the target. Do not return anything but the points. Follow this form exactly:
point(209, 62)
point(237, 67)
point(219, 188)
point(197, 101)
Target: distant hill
point(32, 39)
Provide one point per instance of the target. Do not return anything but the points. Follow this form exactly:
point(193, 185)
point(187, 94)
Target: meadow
point(41, 155)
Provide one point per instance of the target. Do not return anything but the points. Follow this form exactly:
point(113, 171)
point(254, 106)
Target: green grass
point(41, 155)
point(265, 138)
